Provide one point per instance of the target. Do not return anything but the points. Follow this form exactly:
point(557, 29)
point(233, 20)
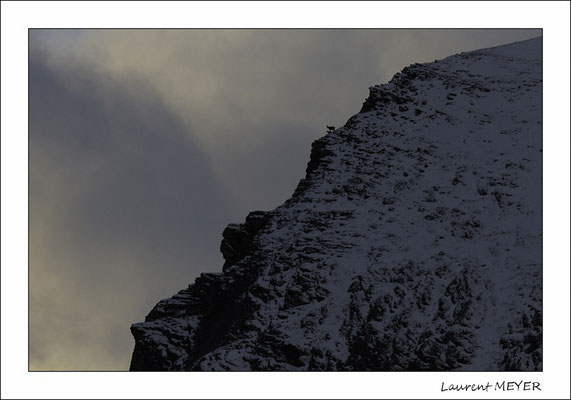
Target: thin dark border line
point(291, 29)
point(29, 202)
point(115, 371)
point(281, 1)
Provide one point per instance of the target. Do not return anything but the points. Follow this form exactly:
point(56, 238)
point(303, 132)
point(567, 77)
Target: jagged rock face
point(413, 243)
point(238, 237)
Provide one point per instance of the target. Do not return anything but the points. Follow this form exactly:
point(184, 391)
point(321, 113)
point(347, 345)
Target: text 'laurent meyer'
point(520, 386)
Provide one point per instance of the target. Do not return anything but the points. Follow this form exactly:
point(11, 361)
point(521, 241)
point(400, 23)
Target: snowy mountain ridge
point(414, 242)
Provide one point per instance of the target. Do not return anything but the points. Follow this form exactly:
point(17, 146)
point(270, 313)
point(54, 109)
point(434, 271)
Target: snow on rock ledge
point(414, 241)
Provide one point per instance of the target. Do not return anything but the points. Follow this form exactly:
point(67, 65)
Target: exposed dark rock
point(237, 238)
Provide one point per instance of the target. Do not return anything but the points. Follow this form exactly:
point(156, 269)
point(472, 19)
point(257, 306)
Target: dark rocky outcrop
point(238, 237)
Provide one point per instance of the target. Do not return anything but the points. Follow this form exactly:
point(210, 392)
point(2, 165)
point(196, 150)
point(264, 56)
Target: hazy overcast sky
point(144, 144)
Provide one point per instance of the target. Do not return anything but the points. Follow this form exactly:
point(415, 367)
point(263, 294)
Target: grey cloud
point(120, 196)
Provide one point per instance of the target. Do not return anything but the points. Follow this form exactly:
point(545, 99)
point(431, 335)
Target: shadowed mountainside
point(414, 242)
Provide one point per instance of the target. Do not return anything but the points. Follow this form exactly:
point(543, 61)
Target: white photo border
point(18, 17)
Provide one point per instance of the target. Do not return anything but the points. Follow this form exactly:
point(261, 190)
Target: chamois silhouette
point(330, 128)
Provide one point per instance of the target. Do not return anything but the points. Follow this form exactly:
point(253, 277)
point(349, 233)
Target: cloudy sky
point(145, 144)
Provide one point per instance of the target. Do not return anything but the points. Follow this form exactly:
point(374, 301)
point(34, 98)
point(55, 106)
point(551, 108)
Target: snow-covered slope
point(413, 243)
